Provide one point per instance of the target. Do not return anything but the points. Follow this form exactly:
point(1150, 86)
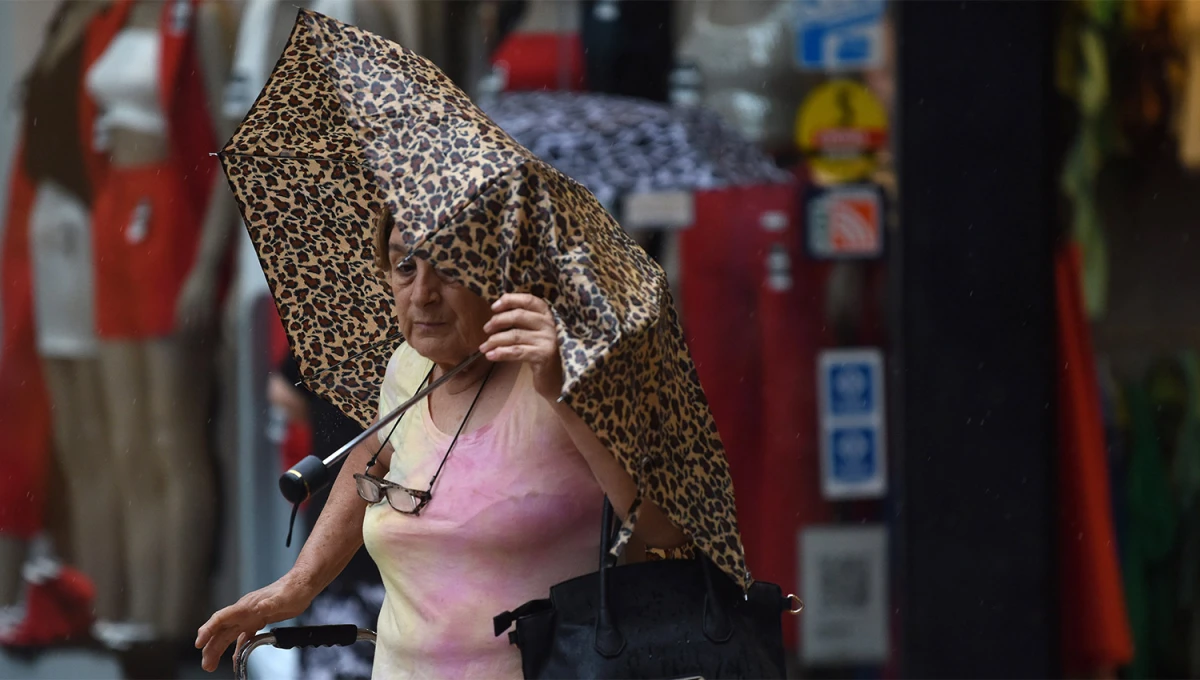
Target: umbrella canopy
point(616, 146)
point(350, 124)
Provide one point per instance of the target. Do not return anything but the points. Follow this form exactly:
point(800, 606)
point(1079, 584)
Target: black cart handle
point(291, 637)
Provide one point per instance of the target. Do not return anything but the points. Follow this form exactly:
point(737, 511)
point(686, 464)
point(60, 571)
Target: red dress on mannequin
point(148, 219)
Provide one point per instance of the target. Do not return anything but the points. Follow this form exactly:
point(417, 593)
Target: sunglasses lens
point(402, 500)
point(368, 490)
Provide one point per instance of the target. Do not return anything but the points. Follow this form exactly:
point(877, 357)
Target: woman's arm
point(522, 329)
point(653, 527)
point(329, 548)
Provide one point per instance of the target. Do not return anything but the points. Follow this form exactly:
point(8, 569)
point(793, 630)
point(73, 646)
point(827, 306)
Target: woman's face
point(442, 320)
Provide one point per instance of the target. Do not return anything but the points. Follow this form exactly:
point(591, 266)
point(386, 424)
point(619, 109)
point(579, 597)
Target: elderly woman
point(476, 501)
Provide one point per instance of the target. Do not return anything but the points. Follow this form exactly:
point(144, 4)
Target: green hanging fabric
point(1185, 475)
point(1186, 469)
point(1084, 48)
point(1151, 537)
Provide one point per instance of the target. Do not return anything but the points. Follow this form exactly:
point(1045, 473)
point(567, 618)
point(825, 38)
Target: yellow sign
point(840, 127)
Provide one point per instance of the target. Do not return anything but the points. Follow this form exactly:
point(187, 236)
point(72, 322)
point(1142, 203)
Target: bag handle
point(609, 641)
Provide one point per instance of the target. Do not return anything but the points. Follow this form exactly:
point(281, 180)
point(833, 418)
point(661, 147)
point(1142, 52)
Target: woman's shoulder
point(406, 370)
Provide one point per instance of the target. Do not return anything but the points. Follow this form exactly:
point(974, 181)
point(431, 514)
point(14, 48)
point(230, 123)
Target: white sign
point(852, 421)
point(839, 35)
point(843, 581)
point(658, 210)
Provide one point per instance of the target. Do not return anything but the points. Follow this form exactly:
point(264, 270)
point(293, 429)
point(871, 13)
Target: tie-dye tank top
point(515, 510)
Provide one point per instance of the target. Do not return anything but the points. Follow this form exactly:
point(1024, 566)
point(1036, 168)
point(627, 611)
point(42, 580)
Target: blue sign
point(839, 35)
point(850, 389)
point(853, 426)
point(854, 454)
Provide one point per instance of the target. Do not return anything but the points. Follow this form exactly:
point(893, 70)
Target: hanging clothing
point(747, 68)
point(541, 61)
point(24, 401)
point(1095, 634)
point(125, 83)
point(1185, 480)
point(63, 273)
point(1148, 589)
point(148, 220)
point(146, 244)
point(62, 164)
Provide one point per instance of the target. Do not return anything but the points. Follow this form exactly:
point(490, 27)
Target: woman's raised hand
point(522, 328)
point(282, 600)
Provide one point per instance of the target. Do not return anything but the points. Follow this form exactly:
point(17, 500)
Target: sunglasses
point(374, 490)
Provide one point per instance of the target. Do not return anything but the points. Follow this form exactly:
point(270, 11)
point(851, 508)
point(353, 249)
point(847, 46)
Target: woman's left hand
point(522, 328)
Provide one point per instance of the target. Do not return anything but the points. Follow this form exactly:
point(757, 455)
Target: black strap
point(371, 463)
point(292, 524)
point(609, 642)
point(461, 425)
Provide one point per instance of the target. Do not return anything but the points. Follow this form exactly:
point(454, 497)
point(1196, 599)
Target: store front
point(934, 267)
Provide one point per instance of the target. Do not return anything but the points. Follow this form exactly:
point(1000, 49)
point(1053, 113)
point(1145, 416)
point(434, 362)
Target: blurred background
point(934, 262)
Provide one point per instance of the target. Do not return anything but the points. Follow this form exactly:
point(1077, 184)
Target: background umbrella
point(349, 123)
point(617, 146)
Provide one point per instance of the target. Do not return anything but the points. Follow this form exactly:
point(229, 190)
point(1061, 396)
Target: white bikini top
point(125, 82)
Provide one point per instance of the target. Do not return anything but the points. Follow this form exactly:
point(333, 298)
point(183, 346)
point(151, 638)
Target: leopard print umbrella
point(350, 124)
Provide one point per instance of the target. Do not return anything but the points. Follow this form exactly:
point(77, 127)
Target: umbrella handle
point(311, 474)
point(304, 479)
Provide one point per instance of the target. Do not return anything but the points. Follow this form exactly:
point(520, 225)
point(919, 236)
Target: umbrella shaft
point(341, 453)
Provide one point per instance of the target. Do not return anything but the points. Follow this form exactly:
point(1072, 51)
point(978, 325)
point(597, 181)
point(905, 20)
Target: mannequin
point(160, 249)
point(743, 51)
point(61, 255)
point(47, 278)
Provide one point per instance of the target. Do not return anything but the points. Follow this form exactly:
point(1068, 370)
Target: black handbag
point(658, 619)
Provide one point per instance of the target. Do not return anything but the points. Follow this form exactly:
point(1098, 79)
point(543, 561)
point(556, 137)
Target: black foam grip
point(290, 637)
point(304, 479)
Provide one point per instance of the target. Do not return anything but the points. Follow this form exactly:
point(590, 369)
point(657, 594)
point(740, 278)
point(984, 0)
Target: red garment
point(533, 61)
point(24, 401)
point(145, 238)
point(138, 281)
point(24, 404)
point(1096, 635)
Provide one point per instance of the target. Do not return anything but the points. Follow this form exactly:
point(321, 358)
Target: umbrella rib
point(370, 348)
point(225, 154)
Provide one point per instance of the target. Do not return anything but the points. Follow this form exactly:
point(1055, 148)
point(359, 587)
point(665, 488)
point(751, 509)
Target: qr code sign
point(845, 581)
point(843, 570)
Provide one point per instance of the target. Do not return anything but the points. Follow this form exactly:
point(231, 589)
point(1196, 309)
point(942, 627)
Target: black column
point(972, 370)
